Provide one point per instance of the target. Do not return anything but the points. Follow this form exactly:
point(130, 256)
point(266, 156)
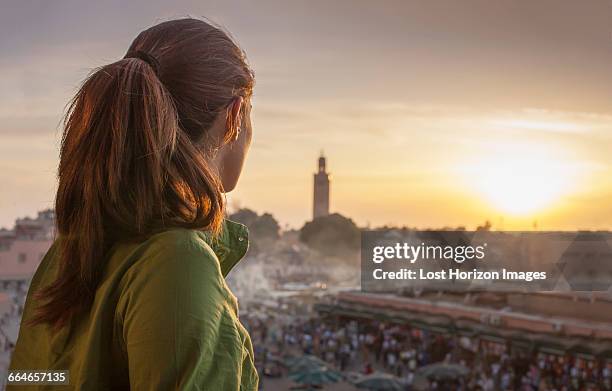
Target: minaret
point(321, 190)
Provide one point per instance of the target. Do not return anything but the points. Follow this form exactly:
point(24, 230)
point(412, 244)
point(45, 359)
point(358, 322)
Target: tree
point(245, 216)
point(333, 234)
point(485, 227)
point(263, 229)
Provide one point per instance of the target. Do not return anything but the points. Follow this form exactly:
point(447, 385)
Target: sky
point(431, 113)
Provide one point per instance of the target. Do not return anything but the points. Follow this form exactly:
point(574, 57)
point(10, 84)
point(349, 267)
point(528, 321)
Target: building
point(320, 205)
point(551, 323)
point(22, 248)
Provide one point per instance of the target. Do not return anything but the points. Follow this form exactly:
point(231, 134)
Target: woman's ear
point(234, 117)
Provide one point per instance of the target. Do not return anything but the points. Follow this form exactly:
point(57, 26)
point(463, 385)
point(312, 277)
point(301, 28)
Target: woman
point(132, 293)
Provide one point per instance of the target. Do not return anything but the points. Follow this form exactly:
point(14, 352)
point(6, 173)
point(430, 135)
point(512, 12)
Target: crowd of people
point(366, 346)
point(11, 310)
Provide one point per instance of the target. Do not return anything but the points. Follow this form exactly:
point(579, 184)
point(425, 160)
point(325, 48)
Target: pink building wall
point(22, 257)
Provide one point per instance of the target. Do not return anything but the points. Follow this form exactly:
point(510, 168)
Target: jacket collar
point(230, 245)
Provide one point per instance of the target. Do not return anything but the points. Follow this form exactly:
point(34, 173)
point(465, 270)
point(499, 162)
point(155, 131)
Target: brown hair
point(133, 159)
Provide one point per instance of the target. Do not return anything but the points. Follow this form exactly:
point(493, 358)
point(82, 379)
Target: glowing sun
point(520, 183)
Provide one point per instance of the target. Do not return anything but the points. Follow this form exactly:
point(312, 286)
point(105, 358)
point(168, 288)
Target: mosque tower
point(321, 190)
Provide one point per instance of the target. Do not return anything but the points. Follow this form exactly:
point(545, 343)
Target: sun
point(520, 182)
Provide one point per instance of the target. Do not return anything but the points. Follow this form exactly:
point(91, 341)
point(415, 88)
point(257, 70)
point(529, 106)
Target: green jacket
point(163, 318)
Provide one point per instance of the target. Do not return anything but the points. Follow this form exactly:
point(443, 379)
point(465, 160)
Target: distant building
point(42, 227)
point(23, 247)
point(321, 190)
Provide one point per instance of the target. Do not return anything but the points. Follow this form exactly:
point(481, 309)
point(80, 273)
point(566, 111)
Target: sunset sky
point(431, 113)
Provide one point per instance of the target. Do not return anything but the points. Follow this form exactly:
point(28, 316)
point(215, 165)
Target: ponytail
point(127, 170)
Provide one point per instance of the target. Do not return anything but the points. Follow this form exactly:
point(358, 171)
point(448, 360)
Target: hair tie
point(146, 57)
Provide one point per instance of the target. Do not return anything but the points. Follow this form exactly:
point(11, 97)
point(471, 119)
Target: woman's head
point(210, 82)
point(150, 142)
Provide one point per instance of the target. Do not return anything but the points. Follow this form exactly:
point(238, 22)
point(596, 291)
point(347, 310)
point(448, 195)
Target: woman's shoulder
point(178, 265)
point(174, 257)
point(181, 240)
point(180, 247)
